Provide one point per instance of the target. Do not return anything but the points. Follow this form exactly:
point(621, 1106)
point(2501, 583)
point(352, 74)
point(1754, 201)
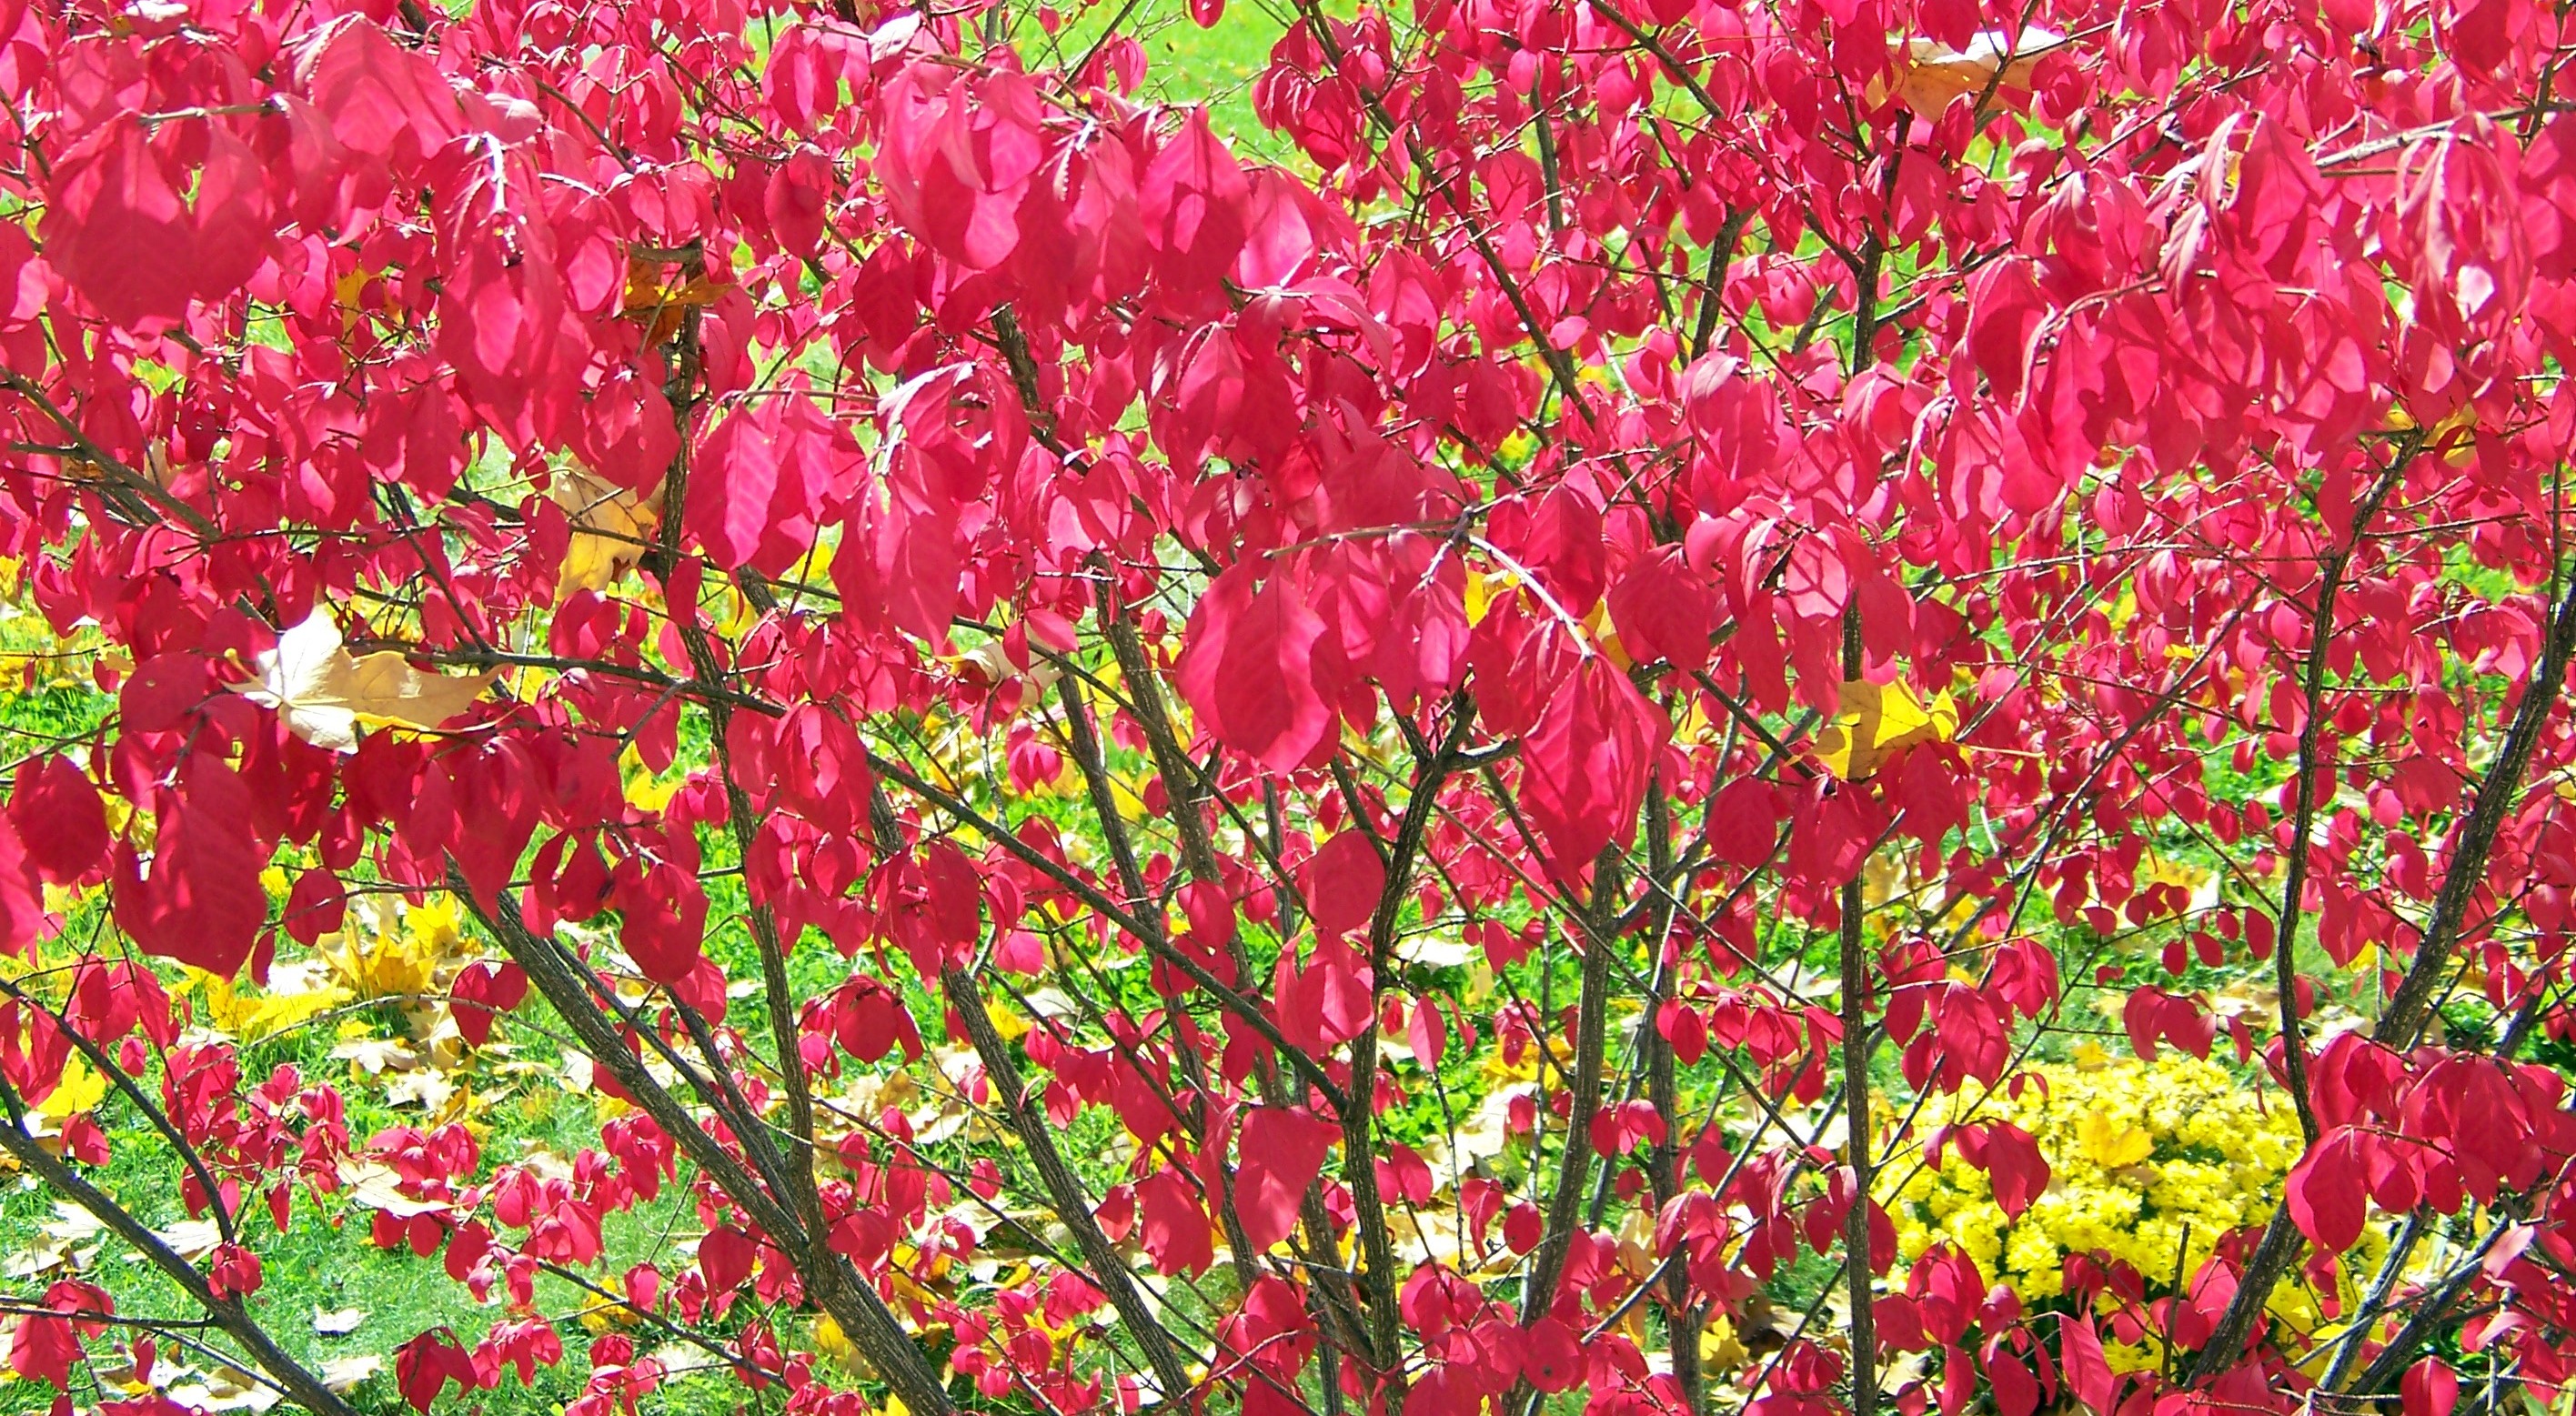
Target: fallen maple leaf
point(324, 693)
point(296, 993)
point(343, 1374)
point(191, 1239)
point(226, 1388)
point(374, 956)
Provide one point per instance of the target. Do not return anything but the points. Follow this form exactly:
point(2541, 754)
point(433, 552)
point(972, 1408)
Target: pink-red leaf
point(1282, 1151)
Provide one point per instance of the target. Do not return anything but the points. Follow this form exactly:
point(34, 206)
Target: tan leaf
point(324, 694)
point(191, 1239)
point(375, 1056)
point(343, 1374)
point(375, 1186)
point(336, 1322)
point(227, 1388)
point(1933, 73)
point(426, 1090)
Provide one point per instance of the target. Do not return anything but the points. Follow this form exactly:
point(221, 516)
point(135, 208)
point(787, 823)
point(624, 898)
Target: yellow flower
point(2151, 1163)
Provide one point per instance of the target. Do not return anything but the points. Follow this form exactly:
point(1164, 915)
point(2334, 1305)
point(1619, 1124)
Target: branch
point(307, 1390)
point(841, 1289)
point(1072, 1207)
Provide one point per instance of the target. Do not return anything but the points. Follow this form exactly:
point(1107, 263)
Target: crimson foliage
point(1662, 579)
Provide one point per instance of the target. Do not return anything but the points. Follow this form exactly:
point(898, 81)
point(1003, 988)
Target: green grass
point(1185, 63)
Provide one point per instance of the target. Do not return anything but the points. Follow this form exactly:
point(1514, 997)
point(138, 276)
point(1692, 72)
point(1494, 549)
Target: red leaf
point(1587, 760)
point(2088, 1372)
point(43, 1349)
point(1664, 611)
point(201, 902)
point(1282, 1152)
point(1248, 669)
point(235, 1270)
point(2327, 1193)
point(380, 98)
point(725, 1256)
point(481, 993)
point(60, 817)
point(1176, 1229)
point(425, 1365)
point(799, 198)
point(2014, 1167)
point(1192, 200)
point(22, 902)
point(1744, 822)
point(2143, 1016)
point(315, 907)
point(1550, 1357)
point(235, 223)
point(663, 916)
point(1427, 1033)
point(116, 231)
point(762, 479)
point(2429, 1388)
point(2008, 310)
point(1343, 881)
point(2016, 1390)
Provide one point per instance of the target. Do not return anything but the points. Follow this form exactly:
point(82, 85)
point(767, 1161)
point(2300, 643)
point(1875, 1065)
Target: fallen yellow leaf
point(373, 958)
point(296, 992)
point(2112, 1147)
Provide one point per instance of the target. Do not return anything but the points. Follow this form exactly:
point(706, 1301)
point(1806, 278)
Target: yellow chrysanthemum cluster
point(2151, 1163)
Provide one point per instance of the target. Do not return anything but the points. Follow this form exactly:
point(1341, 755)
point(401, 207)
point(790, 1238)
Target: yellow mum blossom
point(2150, 1163)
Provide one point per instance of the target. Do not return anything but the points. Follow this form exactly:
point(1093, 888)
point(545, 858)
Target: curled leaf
point(1933, 73)
point(324, 693)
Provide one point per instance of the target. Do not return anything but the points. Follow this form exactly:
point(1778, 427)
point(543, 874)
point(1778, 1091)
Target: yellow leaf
point(1719, 1351)
point(296, 993)
point(610, 527)
point(1008, 1022)
point(1877, 722)
point(646, 291)
point(324, 694)
point(348, 294)
point(1605, 637)
point(372, 961)
point(78, 1091)
point(1130, 805)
